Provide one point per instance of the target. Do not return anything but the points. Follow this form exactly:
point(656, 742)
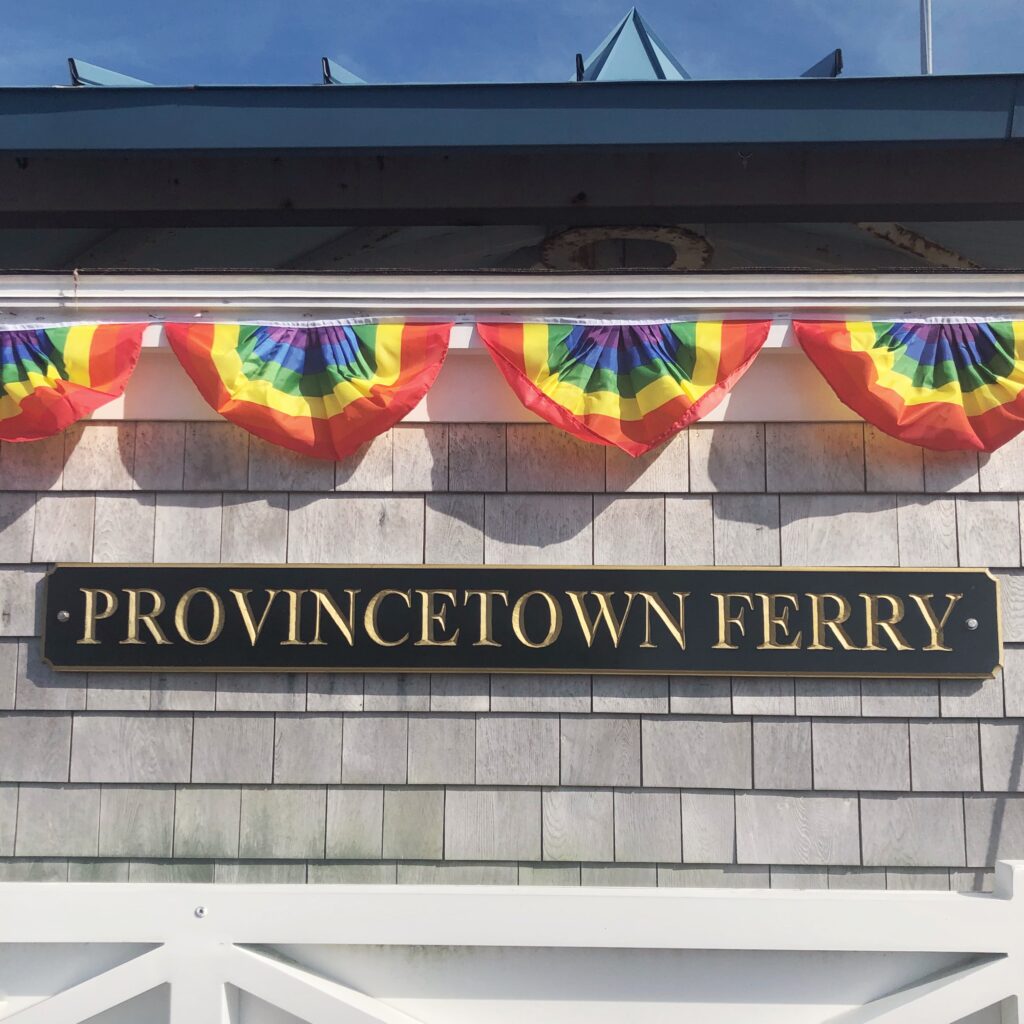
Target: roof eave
point(262, 118)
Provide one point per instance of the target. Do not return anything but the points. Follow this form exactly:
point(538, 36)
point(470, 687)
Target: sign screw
point(63, 616)
point(201, 912)
point(971, 623)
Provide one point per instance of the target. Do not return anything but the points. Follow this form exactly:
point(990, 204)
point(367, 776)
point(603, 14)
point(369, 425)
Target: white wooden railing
point(204, 954)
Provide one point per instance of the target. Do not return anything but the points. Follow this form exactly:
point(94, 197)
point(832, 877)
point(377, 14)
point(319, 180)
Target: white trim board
point(324, 295)
point(781, 386)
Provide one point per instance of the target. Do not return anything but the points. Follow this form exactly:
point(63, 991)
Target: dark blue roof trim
point(851, 110)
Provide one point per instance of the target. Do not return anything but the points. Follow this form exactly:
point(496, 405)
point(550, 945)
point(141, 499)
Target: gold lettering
point(874, 625)
point(181, 616)
point(92, 616)
point(775, 620)
point(820, 622)
point(935, 624)
point(486, 614)
point(554, 619)
point(325, 602)
point(653, 602)
point(294, 618)
point(253, 626)
point(136, 617)
point(431, 616)
point(726, 619)
point(370, 617)
point(605, 614)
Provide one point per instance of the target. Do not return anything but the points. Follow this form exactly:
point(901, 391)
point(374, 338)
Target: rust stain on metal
point(918, 245)
point(570, 249)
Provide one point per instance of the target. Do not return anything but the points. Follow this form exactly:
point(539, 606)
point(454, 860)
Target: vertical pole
point(926, 37)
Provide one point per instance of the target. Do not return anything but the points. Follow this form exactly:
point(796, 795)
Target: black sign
point(665, 621)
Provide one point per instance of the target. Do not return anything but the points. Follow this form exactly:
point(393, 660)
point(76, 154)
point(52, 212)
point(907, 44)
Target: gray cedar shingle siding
point(507, 779)
point(413, 823)
point(8, 818)
point(578, 824)
point(665, 469)
point(355, 822)
point(136, 821)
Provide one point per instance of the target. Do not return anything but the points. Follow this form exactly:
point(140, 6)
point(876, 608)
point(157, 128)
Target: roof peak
point(632, 52)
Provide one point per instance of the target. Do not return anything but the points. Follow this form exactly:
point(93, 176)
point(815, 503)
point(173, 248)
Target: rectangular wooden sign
point(941, 623)
point(730, 622)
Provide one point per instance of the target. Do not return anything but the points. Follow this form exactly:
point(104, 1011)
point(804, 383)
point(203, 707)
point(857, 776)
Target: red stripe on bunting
point(424, 347)
point(113, 354)
point(942, 426)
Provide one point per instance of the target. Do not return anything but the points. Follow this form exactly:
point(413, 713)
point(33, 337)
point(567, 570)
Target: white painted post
point(198, 992)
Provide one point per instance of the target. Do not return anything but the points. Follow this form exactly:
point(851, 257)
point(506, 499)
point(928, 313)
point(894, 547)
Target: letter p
point(93, 613)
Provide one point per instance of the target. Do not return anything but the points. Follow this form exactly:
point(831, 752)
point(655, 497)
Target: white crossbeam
point(942, 999)
point(99, 993)
point(512, 916)
point(308, 996)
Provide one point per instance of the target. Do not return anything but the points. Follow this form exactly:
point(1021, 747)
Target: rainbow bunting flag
point(951, 386)
point(50, 377)
point(627, 385)
point(323, 389)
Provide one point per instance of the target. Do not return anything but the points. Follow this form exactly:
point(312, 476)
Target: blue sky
point(273, 41)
